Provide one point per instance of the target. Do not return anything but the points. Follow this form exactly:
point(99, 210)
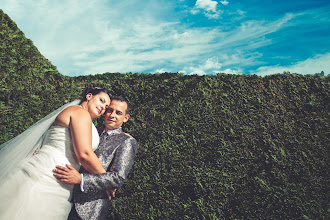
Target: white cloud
point(208, 7)
point(225, 2)
point(213, 15)
point(312, 65)
point(230, 71)
point(162, 71)
point(210, 66)
point(212, 63)
point(194, 11)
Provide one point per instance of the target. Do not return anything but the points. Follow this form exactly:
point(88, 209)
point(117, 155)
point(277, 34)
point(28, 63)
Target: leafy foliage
point(29, 83)
point(210, 147)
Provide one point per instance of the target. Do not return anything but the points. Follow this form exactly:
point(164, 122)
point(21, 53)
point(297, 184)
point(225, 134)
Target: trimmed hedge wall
point(210, 147)
point(225, 146)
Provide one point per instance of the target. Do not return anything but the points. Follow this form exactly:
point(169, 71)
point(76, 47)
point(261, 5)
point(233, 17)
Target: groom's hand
point(67, 174)
point(111, 193)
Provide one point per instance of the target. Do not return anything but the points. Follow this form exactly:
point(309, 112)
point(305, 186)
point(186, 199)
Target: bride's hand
point(111, 193)
point(35, 152)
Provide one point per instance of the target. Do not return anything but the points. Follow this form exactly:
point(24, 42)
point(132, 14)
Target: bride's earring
point(88, 97)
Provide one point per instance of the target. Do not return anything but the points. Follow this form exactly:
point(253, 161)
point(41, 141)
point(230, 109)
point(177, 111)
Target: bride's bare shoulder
point(74, 108)
point(65, 117)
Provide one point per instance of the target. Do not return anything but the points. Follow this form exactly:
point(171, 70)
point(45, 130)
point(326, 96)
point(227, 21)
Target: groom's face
point(115, 115)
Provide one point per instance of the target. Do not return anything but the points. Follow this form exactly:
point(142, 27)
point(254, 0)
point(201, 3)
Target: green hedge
point(226, 147)
point(210, 147)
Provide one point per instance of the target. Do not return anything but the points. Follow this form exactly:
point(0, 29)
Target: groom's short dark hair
point(122, 99)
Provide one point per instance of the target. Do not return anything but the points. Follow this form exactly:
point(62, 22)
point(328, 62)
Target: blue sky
point(82, 37)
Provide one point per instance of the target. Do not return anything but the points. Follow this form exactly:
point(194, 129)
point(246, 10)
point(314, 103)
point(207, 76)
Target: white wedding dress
point(31, 191)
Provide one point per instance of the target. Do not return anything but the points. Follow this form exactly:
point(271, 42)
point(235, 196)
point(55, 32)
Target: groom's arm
point(117, 172)
point(113, 178)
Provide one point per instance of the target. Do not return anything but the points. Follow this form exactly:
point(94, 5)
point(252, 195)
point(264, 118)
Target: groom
point(116, 153)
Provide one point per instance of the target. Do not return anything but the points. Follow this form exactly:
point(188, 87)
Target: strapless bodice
point(58, 143)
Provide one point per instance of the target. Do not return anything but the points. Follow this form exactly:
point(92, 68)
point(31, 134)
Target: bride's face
point(97, 104)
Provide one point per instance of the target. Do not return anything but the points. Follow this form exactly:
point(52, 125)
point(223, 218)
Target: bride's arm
point(81, 133)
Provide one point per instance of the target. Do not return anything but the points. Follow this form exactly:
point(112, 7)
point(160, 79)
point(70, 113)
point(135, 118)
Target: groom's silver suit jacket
point(116, 154)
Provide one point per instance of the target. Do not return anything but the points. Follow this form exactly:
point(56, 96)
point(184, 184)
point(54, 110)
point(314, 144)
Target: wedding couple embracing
point(39, 176)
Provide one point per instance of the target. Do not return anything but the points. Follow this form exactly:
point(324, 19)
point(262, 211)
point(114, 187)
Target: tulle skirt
point(32, 192)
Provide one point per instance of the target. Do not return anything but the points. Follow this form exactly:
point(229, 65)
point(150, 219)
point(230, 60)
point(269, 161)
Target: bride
point(28, 189)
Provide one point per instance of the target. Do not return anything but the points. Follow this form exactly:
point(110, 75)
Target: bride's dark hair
point(94, 89)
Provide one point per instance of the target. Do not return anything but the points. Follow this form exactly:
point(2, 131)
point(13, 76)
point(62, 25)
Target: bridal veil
point(23, 146)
